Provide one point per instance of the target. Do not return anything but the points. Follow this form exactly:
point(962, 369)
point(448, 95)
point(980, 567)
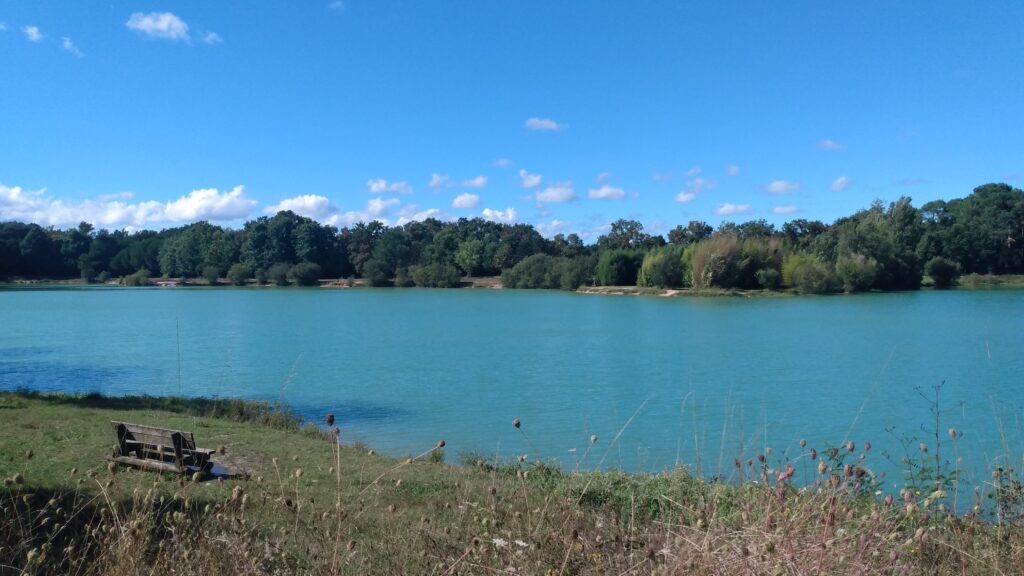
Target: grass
point(306, 504)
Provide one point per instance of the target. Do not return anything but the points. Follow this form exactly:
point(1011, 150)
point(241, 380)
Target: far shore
point(968, 282)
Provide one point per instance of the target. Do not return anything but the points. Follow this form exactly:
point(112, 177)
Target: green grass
point(62, 510)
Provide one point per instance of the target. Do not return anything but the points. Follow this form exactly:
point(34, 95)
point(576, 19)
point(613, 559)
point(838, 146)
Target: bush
point(857, 272)
point(436, 276)
point(103, 276)
point(715, 262)
point(768, 278)
point(305, 273)
point(662, 268)
point(534, 271)
point(139, 278)
point(238, 274)
point(403, 278)
point(211, 274)
point(376, 273)
point(262, 277)
point(807, 274)
point(618, 267)
point(278, 273)
point(943, 271)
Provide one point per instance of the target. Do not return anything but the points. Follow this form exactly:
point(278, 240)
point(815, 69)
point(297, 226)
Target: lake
point(697, 381)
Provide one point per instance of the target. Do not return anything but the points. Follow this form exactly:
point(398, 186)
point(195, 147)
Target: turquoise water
point(708, 380)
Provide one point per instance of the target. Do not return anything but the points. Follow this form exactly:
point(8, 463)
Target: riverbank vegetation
point(883, 247)
point(297, 501)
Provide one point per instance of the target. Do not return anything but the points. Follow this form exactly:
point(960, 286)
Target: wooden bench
point(158, 449)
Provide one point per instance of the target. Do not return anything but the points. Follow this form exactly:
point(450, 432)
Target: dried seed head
point(28, 455)
point(298, 472)
point(867, 446)
point(888, 500)
point(923, 447)
point(803, 443)
point(330, 419)
point(952, 433)
point(814, 454)
point(492, 490)
point(111, 467)
point(516, 423)
point(351, 545)
point(593, 438)
point(391, 508)
point(850, 446)
point(18, 478)
point(440, 443)
point(822, 467)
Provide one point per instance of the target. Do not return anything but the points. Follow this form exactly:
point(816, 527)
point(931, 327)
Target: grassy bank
point(300, 503)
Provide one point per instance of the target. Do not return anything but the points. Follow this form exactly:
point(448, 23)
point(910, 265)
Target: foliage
point(856, 272)
point(305, 273)
point(435, 276)
point(942, 271)
point(807, 274)
point(211, 274)
point(618, 267)
point(662, 268)
point(239, 273)
point(278, 273)
point(138, 278)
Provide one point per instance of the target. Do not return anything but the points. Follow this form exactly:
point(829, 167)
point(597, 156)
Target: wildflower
point(440, 443)
point(952, 433)
point(822, 467)
point(516, 423)
point(330, 419)
point(593, 438)
point(803, 443)
point(867, 446)
point(850, 446)
point(814, 454)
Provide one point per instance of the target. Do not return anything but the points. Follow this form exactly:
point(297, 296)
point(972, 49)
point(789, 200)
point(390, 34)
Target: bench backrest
point(176, 440)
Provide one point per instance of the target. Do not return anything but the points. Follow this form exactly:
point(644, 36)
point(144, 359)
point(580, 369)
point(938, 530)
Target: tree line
point(882, 247)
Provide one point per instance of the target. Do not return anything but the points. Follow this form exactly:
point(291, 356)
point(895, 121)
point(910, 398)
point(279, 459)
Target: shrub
point(857, 272)
point(103, 276)
point(534, 271)
point(943, 271)
point(403, 278)
point(618, 267)
point(278, 273)
point(262, 277)
point(211, 274)
point(807, 274)
point(139, 278)
point(238, 274)
point(305, 273)
point(768, 278)
point(715, 262)
point(662, 268)
point(436, 276)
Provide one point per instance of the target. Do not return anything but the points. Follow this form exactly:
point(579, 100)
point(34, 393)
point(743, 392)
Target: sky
point(562, 114)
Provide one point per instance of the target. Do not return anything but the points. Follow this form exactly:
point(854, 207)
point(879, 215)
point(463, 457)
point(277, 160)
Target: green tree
point(239, 273)
point(942, 271)
point(305, 273)
point(278, 273)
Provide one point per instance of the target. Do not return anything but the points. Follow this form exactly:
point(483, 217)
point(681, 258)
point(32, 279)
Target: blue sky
point(565, 115)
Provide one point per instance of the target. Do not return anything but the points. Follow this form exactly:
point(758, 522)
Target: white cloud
point(693, 171)
point(439, 181)
point(781, 187)
point(732, 170)
point(544, 125)
point(827, 144)
point(336, 5)
point(784, 209)
point(502, 163)
point(839, 184)
point(662, 176)
point(478, 182)
point(158, 25)
point(212, 38)
point(549, 229)
point(606, 192)
point(33, 34)
point(381, 186)
point(466, 201)
point(733, 209)
point(210, 204)
point(308, 205)
point(506, 216)
point(561, 192)
point(69, 46)
point(694, 187)
point(603, 176)
point(113, 210)
point(528, 180)
point(381, 206)
point(412, 213)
